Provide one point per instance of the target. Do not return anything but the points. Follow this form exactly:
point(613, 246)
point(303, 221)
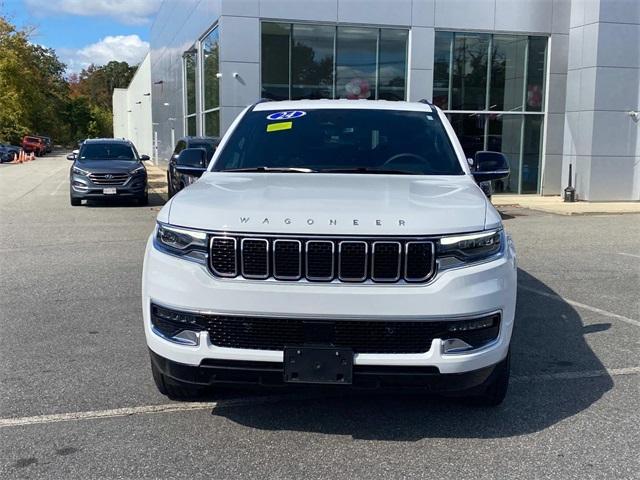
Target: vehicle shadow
point(548, 345)
point(155, 200)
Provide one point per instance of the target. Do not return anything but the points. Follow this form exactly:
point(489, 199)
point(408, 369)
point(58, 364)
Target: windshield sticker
point(276, 127)
point(286, 115)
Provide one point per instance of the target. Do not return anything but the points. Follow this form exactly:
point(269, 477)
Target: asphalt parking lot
point(77, 399)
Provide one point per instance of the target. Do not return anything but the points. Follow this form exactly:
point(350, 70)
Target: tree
point(36, 96)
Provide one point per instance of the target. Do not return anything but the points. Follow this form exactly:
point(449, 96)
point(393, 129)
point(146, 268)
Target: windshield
point(209, 147)
point(341, 140)
point(107, 151)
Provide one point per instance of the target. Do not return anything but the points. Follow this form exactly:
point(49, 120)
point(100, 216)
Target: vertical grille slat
point(287, 261)
point(320, 260)
point(386, 261)
point(323, 259)
point(254, 258)
point(352, 261)
point(419, 261)
point(223, 256)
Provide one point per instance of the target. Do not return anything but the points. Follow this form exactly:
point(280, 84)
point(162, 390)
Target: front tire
point(144, 200)
point(496, 387)
point(174, 389)
point(75, 202)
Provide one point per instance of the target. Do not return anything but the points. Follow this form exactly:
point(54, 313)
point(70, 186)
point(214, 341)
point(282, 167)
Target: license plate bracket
point(323, 365)
point(110, 191)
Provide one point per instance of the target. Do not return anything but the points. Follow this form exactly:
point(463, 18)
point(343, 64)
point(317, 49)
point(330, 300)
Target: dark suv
point(107, 168)
point(178, 180)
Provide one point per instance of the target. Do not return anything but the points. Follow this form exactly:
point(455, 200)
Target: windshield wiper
point(380, 171)
point(270, 170)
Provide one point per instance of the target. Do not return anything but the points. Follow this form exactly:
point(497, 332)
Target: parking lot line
point(622, 318)
point(252, 401)
point(629, 254)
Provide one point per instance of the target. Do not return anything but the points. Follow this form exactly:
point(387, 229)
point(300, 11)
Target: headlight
point(138, 170)
point(79, 171)
point(471, 247)
point(182, 242)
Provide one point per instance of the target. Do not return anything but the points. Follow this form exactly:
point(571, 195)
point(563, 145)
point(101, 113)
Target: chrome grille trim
point(235, 257)
point(109, 178)
point(287, 277)
point(266, 259)
point(373, 262)
point(329, 252)
point(432, 268)
point(366, 262)
point(306, 259)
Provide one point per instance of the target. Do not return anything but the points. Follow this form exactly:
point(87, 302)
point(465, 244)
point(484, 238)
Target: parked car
point(35, 145)
point(177, 180)
point(107, 168)
point(334, 242)
point(8, 152)
point(47, 142)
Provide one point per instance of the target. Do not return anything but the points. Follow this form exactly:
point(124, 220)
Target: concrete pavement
point(72, 349)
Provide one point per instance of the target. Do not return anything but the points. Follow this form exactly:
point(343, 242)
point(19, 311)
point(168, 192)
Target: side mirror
point(71, 156)
point(490, 166)
point(192, 161)
point(145, 157)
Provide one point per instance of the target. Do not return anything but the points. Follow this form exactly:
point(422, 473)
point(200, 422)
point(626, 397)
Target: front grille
point(362, 336)
point(322, 260)
point(109, 178)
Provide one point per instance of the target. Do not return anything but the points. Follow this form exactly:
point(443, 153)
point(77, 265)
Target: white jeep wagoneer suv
point(333, 242)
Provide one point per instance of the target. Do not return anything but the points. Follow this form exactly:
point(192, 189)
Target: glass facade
point(492, 89)
point(189, 65)
point(210, 83)
point(326, 61)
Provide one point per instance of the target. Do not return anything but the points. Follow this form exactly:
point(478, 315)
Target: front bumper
point(82, 187)
point(456, 293)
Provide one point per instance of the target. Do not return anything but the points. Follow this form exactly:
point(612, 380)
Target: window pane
point(312, 62)
point(392, 65)
point(190, 79)
point(507, 72)
point(504, 136)
point(441, 69)
point(356, 62)
point(275, 60)
point(531, 148)
point(535, 73)
point(191, 125)
point(210, 69)
point(469, 128)
point(212, 124)
point(469, 87)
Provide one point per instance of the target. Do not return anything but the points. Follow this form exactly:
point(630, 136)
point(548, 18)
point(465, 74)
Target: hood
point(349, 204)
point(107, 166)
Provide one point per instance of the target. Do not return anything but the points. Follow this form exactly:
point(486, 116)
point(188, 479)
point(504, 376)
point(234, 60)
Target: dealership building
point(551, 83)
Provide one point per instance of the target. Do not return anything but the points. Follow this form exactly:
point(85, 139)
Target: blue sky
point(87, 31)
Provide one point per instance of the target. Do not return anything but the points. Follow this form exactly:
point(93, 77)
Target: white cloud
point(122, 48)
point(130, 12)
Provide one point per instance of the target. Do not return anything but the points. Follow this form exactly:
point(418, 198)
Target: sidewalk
point(157, 179)
point(558, 206)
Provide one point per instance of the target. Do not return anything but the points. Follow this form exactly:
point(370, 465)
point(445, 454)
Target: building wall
point(569, 24)
point(601, 140)
point(132, 110)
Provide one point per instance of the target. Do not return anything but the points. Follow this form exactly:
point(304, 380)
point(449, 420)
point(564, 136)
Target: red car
point(34, 144)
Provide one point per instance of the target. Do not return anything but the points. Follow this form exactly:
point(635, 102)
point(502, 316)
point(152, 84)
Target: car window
point(209, 147)
point(107, 151)
point(179, 147)
point(331, 139)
